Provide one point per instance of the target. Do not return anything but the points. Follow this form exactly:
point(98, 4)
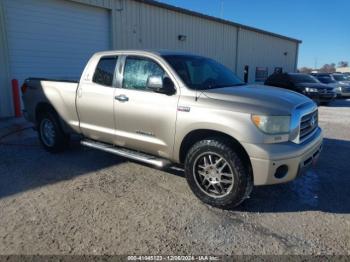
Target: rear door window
point(104, 73)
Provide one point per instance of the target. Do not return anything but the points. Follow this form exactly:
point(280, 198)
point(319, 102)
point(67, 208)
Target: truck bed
point(58, 93)
point(75, 80)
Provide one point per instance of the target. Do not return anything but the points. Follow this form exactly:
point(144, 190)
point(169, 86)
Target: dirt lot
point(89, 202)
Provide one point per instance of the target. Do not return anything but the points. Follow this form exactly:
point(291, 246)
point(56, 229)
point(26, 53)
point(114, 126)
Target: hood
point(259, 99)
point(344, 83)
point(334, 85)
point(313, 85)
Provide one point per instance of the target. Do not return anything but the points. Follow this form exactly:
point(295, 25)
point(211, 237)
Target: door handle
point(80, 92)
point(122, 98)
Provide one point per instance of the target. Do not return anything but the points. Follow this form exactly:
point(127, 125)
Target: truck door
point(95, 101)
point(145, 120)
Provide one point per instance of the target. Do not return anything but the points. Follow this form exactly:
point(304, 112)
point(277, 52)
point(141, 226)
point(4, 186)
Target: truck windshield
point(326, 79)
point(339, 77)
point(202, 73)
point(303, 78)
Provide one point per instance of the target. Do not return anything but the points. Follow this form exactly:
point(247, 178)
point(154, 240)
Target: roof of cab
point(159, 52)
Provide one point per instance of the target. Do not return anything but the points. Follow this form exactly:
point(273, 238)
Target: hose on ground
point(12, 133)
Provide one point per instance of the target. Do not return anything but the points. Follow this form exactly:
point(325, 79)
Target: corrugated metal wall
point(261, 50)
point(5, 88)
point(100, 3)
point(141, 25)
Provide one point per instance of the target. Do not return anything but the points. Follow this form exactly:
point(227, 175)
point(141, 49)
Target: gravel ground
point(89, 202)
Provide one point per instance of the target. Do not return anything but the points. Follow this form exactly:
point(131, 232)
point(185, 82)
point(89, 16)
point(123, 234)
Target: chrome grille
point(346, 89)
point(326, 91)
point(308, 124)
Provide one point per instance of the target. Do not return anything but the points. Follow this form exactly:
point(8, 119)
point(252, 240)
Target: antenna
point(222, 9)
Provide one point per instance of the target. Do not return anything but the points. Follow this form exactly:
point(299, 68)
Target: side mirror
point(154, 83)
point(159, 85)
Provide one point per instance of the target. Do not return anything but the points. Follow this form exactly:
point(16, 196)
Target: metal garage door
point(53, 38)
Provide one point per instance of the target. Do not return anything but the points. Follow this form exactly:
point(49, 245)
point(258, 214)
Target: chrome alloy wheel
point(213, 174)
point(47, 130)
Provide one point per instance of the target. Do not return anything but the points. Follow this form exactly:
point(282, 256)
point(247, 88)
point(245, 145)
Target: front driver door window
point(137, 70)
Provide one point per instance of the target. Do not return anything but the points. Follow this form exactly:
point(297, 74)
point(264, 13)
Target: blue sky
point(323, 25)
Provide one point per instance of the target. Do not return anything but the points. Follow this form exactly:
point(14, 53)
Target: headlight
point(272, 124)
point(311, 90)
point(338, 89)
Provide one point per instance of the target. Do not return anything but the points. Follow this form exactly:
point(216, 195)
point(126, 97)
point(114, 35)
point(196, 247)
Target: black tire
point(242, 176)
point(60, 140)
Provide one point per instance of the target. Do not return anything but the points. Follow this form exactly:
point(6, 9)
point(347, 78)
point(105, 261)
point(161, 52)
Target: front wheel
point(51, 135)
point(216, 174)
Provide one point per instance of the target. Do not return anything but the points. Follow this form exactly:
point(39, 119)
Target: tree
point(328, 68)
point(305, 70)
point(343, 64)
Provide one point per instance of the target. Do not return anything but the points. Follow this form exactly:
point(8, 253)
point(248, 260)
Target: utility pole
point(315, 63)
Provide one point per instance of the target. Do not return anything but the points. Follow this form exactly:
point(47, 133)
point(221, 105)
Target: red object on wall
point(16, 98)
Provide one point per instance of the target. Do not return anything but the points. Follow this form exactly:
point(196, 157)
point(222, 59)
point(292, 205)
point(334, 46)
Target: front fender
point(235, 124)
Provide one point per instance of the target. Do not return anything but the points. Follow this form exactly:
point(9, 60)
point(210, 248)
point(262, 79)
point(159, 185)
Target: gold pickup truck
point(164, 108)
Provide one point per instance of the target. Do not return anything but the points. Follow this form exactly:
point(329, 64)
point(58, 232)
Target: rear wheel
point(51, 135)
point(216, 174)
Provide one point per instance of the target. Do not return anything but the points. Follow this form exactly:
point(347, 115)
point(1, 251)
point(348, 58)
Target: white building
point(343, 69)
point(55, 38)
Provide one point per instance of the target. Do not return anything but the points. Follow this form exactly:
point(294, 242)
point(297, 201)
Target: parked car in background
point(341, 78)
point(342, 88)
point(304, 84)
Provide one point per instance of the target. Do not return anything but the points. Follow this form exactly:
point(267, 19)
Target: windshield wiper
point(228, 85)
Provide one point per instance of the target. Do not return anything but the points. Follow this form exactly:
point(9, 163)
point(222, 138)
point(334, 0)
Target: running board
point(138, 156)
